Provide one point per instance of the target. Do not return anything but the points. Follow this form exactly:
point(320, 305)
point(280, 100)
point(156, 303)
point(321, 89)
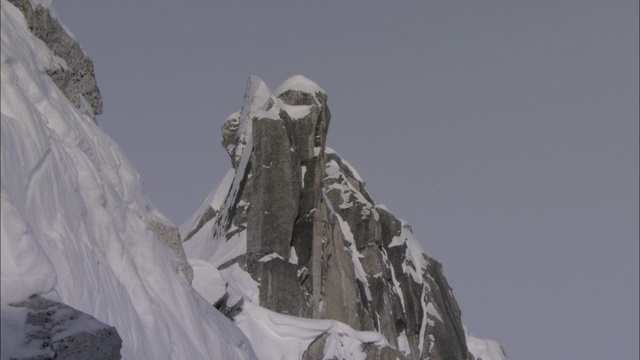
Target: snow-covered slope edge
point(482, 349)
point(76, 226)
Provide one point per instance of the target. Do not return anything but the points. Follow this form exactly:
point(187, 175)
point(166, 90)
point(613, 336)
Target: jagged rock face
point(314, 240)
point(57, 331)
point(74, 76)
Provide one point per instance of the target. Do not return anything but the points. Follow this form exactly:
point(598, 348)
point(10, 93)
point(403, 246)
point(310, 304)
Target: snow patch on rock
point(299, 83)
point(485, 349)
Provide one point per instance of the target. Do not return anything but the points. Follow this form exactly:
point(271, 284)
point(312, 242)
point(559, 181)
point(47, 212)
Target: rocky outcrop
point(53, 330)
point(170, 236)
point(74, 74)
point(313, 239)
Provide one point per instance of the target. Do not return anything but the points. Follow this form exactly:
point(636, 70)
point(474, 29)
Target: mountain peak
point(299, 238)
point(299, 83)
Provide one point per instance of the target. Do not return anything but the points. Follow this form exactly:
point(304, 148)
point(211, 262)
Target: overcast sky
point(505, 132)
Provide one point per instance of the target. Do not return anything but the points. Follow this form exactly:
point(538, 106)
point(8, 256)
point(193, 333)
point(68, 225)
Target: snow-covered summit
point(299, 83)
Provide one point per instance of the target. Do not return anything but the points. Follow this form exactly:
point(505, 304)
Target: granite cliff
point(296, 219)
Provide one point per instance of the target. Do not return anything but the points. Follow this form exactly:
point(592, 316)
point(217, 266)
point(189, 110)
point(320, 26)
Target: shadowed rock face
point(77, 79)
point(316, 243)
point(56, 331)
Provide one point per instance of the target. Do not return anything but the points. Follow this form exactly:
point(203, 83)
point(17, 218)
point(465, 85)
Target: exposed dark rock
point(275, 191)
point(230, 137)
point(208, 214)
point(374, 352)
point(228, 310)
point(59, 331)
point(76, 80)
point(316, 348)
point(296, 97)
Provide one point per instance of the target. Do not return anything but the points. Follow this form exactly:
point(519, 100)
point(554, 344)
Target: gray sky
point(505, 132)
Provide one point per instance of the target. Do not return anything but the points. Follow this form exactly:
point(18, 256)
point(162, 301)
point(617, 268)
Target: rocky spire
point(298, 220)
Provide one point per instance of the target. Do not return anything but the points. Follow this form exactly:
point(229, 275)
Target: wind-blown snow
point(297, 112)
point(215, 200)
point(396, 284)
point(270, 257)
point(299, 83)
point(202, 245)
point(216, 252)
point(207, 280)
point(293, 256)
point(241, 285)
point(285, 337)
point(74, 222)
point(353, 170)
point(347, 190)
point(431, 310)
point(414, 263)
point(423, 323)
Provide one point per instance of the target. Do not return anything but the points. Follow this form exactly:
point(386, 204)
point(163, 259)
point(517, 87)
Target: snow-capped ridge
point(299, 83)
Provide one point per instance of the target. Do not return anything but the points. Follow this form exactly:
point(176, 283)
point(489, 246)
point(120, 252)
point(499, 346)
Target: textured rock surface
point(170, 236)
point(314, 240)
point(74, 75)
point(58, 331)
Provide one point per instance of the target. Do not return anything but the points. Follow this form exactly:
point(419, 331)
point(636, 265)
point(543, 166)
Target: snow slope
point(75, 222)
point(484, 349)
point(285, 337)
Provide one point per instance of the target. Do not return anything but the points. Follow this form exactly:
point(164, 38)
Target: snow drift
point(76, 225)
